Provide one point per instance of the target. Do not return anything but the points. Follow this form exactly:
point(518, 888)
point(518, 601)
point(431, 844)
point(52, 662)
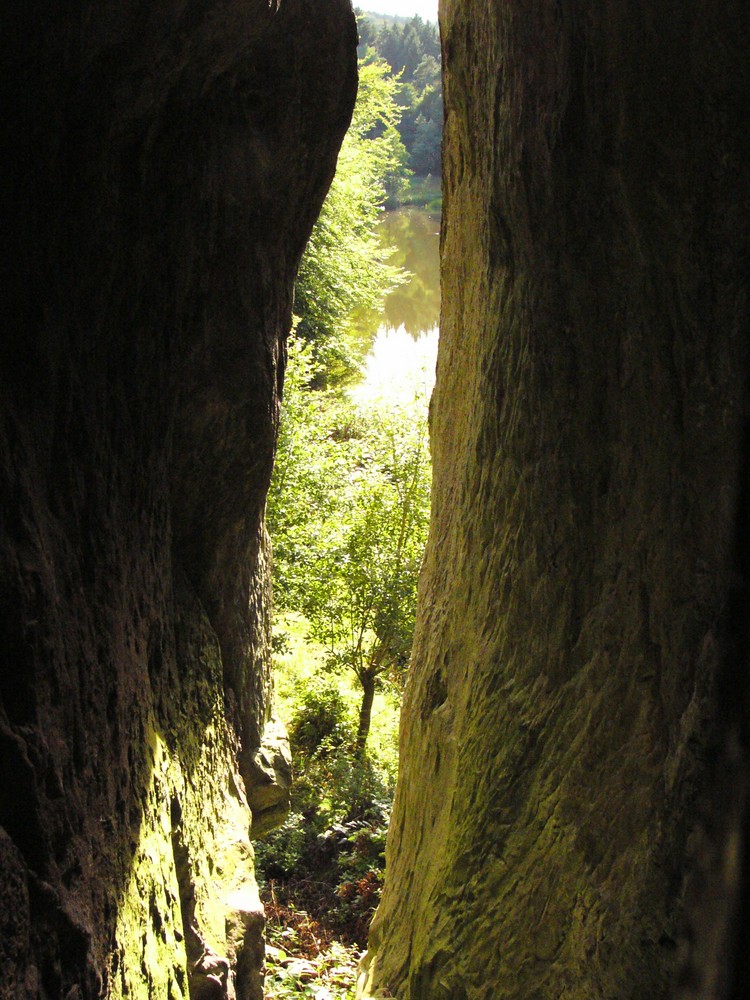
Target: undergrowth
point(299, 964)
point(319, 907)
point(321, 873)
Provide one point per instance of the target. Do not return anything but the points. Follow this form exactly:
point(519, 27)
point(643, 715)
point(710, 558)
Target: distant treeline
point(412, 50)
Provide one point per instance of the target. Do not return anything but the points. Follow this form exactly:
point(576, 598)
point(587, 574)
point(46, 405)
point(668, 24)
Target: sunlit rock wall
point(560, 711)
point(167, 162)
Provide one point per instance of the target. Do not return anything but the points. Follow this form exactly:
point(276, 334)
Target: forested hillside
point(412, 50)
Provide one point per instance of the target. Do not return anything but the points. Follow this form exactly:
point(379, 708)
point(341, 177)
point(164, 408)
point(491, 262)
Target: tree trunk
point(367, 679)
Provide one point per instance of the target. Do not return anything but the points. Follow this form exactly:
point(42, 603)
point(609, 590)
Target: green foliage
point(425, 192)
point(332, 785)
point(411, 49)
point(320, 722)
point(278, 855)
point(426, 150)
point(345, 264)
point(336, 879)
point(405, 44)
point(348, 514)
point(323, 974)
point(302, 681)
point(322, 872)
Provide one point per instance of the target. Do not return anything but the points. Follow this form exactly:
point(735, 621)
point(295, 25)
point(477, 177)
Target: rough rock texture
point(167, 161)
point(577, 602)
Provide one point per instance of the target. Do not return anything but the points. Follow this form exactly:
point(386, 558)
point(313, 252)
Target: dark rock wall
point(562, 740)
point(167, 162)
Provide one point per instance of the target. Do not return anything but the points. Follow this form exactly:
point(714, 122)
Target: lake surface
point(415, 235)
point(404, 336)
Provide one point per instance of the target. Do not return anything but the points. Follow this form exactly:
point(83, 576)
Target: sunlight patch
point(399, 367)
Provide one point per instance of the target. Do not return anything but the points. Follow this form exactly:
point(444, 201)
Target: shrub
point(321, 720)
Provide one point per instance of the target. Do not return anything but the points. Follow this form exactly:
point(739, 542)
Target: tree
point(426, 154)
point(349, 501)
point(345, 264)
point(411, 49)
point(348, 514)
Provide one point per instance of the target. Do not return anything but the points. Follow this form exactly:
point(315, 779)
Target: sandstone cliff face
point(168, 162)
point(561, 709)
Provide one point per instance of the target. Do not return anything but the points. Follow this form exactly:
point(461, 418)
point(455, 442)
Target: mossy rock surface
point(168, 163)
point(585, 435)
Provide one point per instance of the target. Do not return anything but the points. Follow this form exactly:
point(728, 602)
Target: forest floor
point(305, 956)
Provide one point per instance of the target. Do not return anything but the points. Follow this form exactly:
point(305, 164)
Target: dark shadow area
point(166, 166)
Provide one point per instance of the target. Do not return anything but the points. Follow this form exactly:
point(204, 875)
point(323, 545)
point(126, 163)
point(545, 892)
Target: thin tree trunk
point(367, 680)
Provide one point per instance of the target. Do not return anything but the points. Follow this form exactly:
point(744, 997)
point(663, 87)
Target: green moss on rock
point(167, 166)
point(585, 433)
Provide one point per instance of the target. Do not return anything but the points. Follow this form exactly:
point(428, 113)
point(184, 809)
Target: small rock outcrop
point(166, 163)
point(566, 734)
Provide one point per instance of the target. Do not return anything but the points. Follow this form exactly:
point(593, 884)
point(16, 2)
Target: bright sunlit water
point(399, 366)
point(401, 361)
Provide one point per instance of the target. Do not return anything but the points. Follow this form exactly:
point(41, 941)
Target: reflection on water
point(416, 236)
point(404, 336)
